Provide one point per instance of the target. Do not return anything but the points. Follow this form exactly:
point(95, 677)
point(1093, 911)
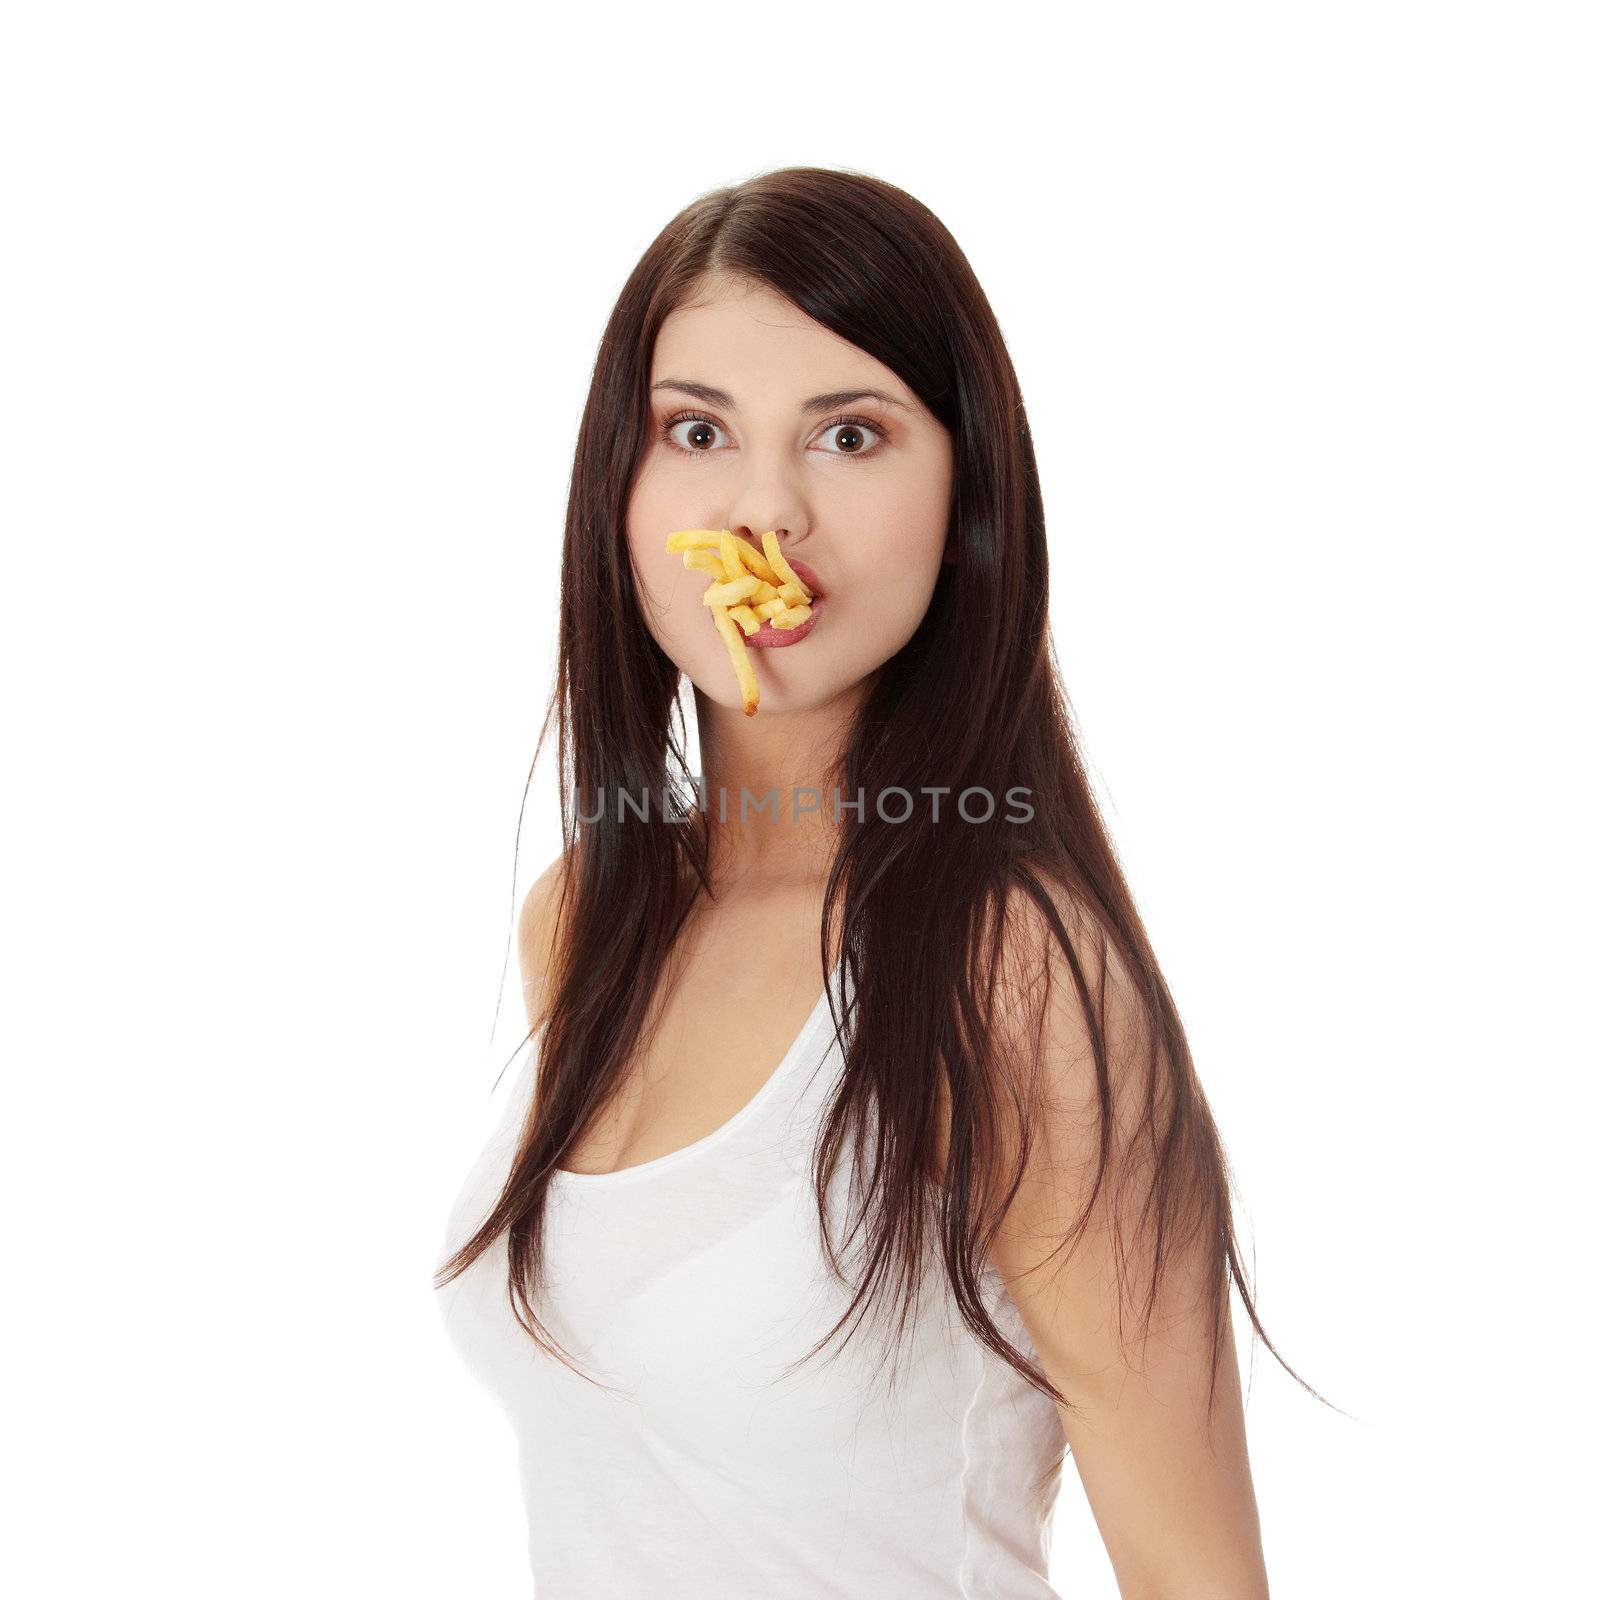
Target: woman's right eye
point(693, 435)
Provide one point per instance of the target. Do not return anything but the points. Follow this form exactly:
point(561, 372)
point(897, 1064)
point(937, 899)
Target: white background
point(299, 308)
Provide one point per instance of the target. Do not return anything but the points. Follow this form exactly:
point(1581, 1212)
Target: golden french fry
point(730, 594)
point(732, 566)
point(749, 689)
point(704, 561)
point(746, 618)
point(792, 618)
point(695, 539)
point(752, 560)
point(769, 543)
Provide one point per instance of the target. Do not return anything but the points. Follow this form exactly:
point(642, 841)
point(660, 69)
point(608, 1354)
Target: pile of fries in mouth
point(749, 588)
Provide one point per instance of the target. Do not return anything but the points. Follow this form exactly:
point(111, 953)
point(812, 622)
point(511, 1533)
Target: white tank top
point(688, 1283)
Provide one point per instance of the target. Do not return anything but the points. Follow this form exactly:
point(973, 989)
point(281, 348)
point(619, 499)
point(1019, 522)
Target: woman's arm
point(1168, 1480)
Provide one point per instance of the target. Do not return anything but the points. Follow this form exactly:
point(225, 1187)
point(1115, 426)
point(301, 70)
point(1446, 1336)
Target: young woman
point(859, 1167)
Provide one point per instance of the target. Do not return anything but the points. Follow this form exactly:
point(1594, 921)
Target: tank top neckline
point(746, 1113)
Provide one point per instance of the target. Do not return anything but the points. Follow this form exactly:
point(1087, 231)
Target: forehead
point(749, 340)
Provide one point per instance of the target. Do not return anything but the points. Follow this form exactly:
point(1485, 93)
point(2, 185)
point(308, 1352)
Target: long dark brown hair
point(920, 907)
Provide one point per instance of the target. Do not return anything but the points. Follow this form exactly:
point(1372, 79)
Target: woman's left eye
point(862, 436)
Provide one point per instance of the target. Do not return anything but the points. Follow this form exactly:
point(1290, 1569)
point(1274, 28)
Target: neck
point(769, 789)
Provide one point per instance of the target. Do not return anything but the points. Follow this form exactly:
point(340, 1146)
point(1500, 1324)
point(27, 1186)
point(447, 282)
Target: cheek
point(668, 592)
point(909, 523)
point(902, 538)
point(656, 573)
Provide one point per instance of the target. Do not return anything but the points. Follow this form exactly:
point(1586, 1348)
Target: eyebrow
point(830, 401)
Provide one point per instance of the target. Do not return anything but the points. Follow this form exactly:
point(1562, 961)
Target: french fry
point(730, 594)
point(732, 566)
point(786, 573)
point(751, 560)
point(695, 539)
point(749, 689)
point(749, 587)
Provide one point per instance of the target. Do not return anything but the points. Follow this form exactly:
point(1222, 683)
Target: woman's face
point(857, 486)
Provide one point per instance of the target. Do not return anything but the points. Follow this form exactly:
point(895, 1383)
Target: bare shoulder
point(1066, 995)
point(1077, 1042)
point(538, 927)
